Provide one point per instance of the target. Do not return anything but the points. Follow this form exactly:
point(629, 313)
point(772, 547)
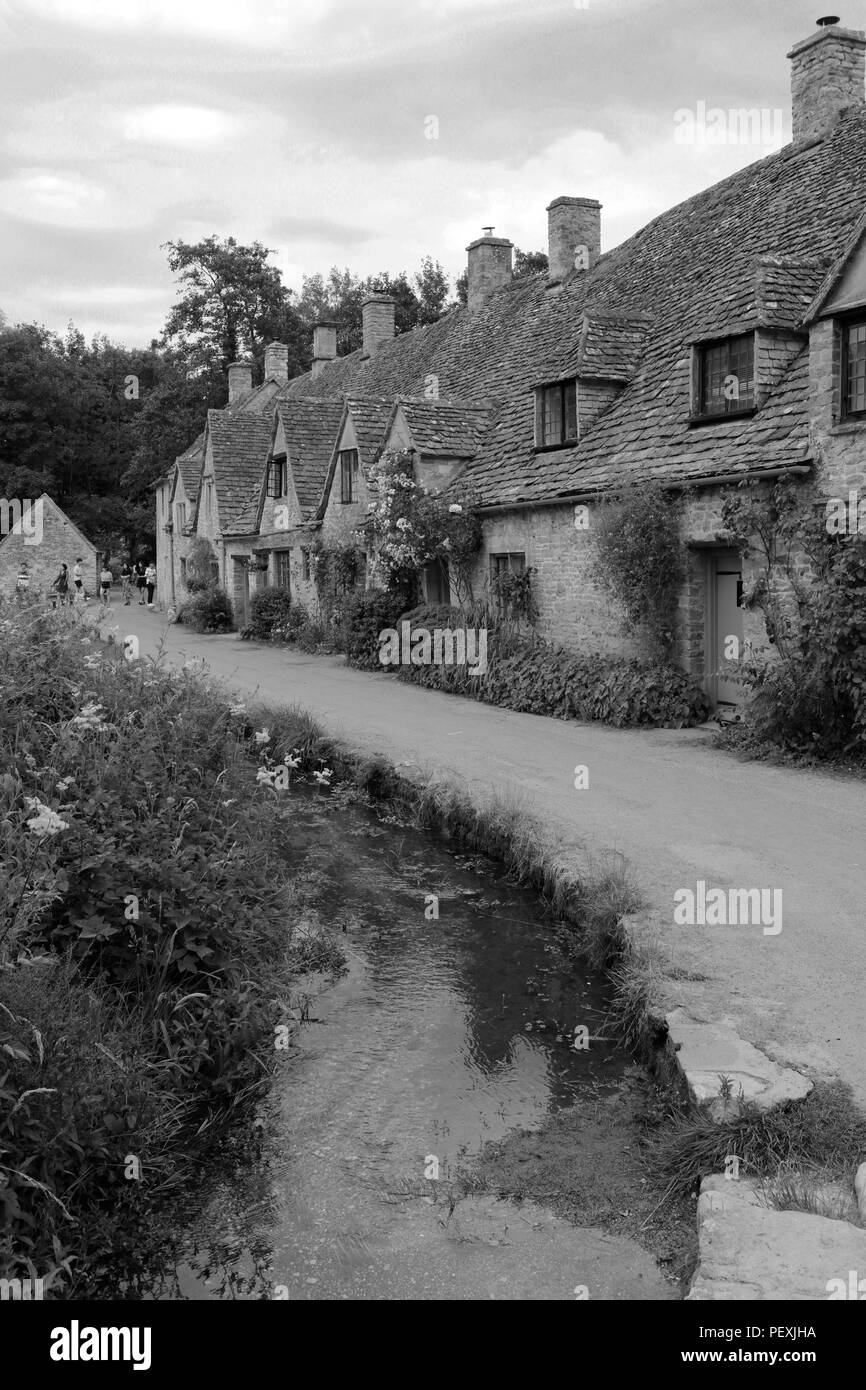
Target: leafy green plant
point(364, 617)
point(200, 563)
point(809, 690)
point(209, 610)
point(639, 557)
point(142, 918)
point(270, 608)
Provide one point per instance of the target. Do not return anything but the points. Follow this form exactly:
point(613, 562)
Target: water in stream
point(440, 1035)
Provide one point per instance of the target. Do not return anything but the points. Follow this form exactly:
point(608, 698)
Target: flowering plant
point(408, 527)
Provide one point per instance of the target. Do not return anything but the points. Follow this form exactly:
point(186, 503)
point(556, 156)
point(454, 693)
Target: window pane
point(713, 375)
point(570, 392)
point(856, 373)
point(517, 562)
point(741, 364)
point(553, 415)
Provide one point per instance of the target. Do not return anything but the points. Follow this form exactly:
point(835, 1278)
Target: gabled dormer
point(741, 354)
point(837, 339)
point(445, 435)
point(302, 440)
point(604, 358)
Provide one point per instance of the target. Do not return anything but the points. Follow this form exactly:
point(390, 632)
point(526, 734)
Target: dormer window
point(278, 478)
point(854, 368)
point(556, 415)
point(726, 377)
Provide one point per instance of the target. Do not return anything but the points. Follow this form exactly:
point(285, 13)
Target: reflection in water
point(441, 1035)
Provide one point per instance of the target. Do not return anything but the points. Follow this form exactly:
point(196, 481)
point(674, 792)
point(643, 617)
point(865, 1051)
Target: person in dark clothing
point(61, 587)
point(140, 581)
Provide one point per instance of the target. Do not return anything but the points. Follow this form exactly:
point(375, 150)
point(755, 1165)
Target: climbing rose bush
point(408, 527)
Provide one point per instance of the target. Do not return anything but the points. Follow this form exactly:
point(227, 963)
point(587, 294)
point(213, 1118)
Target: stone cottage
point(724, 341)
point(43, 537)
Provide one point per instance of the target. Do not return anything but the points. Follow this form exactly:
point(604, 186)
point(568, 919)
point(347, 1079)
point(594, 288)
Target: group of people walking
point(140, 578)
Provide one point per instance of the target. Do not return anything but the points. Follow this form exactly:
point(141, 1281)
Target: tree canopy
point(96, 424)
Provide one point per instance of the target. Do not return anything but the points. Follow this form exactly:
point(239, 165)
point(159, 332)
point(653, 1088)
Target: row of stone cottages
point(558, 387)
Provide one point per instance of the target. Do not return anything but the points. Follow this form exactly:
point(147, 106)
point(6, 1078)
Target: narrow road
point(678, 810)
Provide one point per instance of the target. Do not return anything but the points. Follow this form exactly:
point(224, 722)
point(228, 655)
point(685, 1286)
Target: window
point(854, 368)
point(183, 570)
point(180, 515)
point(556, 415)
point(512, 563)
point(502, 567)
point(348, 475)
point(278, 478)
point(282, 568)
point(727, 376)
point(208, 499)
point(305, 565)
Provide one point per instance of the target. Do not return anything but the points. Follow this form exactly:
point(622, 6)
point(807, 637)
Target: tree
point(529, 263)
point(338, 299)
point(232, 304)
point(431, 286)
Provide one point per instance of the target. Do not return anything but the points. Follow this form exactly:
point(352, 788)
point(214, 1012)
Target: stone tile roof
point(189, 466)
point(450, 428)
point(239, 444)
point(755, 244)
point(310, 428)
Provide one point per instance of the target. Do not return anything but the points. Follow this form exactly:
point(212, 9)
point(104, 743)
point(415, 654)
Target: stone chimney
point(572, 225)
point(240, 381)
point(378, 314)
point(277, 363)
point(324, 346)
point(828, 71)
point(489, 267)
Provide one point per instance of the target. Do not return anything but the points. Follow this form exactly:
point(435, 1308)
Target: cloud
point(177, 125)
point(320, 229)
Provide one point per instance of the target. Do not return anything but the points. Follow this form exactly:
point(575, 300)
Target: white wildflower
point(262, 736)
point(455, 507)
point(266, 775)
point(64, 784)
point(292, 761)
point(46, 821)
point(90, 717)
point(324, 777)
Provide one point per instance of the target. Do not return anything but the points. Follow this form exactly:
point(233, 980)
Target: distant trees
point(339, 296)
point(96, 424)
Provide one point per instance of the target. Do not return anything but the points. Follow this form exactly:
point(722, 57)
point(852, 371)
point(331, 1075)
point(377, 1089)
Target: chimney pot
point(572, 223)
point(377, 312)
point(277, 363)
point(489, 267)
point(828, 72)
point(240, 381)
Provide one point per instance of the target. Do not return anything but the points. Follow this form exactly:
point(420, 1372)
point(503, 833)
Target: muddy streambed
point(442, 1033)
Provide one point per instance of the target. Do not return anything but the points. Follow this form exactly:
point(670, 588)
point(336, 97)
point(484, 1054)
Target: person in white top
point(150, 581)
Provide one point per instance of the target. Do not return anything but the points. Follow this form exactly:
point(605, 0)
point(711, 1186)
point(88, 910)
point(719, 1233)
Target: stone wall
point(61, 541)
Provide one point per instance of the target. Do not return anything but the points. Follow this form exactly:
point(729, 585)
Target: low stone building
point(722, 344)
point(42, 537)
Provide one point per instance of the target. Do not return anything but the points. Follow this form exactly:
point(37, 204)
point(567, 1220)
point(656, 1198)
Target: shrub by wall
point(270, 609)
point(534, 677)
point(363, 617)
point(209, 610)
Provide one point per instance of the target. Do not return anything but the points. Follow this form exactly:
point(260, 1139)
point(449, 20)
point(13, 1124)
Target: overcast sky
point(126, 123)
